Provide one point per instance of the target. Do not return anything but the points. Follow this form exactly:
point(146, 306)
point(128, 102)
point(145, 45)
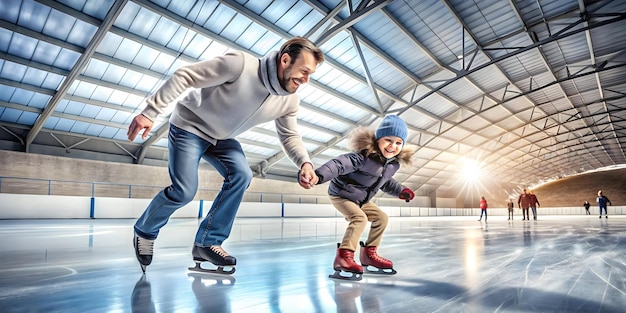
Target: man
point(534, 203)
point(602, 203)
point(232, 93)
point(523, 202)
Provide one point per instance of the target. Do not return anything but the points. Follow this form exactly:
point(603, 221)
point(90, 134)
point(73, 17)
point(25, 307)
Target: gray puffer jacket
point(357, 176)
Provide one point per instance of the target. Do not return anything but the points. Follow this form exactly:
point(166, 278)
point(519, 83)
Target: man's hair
point(295, 45)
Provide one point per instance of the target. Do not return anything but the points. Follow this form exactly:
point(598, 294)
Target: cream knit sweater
point(233, 93)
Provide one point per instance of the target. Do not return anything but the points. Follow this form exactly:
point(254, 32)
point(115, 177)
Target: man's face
point(291, 76)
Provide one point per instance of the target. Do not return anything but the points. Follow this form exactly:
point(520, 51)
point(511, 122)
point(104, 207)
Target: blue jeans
point(483, 211)
point(534, 208)
point(185, 152)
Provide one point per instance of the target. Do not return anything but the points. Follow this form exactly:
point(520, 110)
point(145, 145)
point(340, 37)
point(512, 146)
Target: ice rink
point(444, 264)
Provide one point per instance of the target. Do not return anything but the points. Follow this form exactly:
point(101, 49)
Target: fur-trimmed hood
point(363, 138)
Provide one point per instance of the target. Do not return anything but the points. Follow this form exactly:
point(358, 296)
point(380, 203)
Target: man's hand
point(307, 178)
point(139, 122)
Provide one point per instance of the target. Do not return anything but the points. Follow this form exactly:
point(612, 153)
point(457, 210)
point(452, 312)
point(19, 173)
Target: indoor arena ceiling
point(527, 90)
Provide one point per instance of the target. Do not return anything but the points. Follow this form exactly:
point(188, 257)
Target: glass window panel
point(5, 39)
point(45, 53)
point(52, 81)
point(81, 33)
point(114, 74)
point(10, 115)
point(22, 46)
point(58, 25)
point(31, 14)
point(73, 108)
point(39, 100)
point(108, 132)
point(117, 97)
point(145, 57)
point(121, 117)
point(94, 130)
point(34, 77)
point(66, 59)
point(64, 125)
point(21, 96)
point(80, 127)
point(27, 118)
point(109, 44)
point(95, 68)
point(127, 51)
point(101, 93)
point(105, 114)
point(84, 89)
point(12, 71)
point(90, 111)
point(6, 92)
point(50, 122)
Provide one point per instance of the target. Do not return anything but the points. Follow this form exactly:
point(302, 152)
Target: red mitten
point(407, 194)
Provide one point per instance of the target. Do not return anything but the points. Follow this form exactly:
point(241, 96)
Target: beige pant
point(357, 218)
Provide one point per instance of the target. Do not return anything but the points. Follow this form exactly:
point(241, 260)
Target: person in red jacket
point(483, 208)
point(523, 202)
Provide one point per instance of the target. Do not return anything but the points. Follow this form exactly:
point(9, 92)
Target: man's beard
point(286, 81)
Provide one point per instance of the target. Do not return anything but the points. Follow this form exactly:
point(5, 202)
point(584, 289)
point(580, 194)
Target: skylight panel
point(34, 77)
point(105, 114)
point(101, 93)
point(58, 25)
point(81, 33)
point(127, 50)
point(66, 59)
point(94, 130)
point(12, 71)
point(10, 115)
point(21, 96)
point(39, 100)
point(27, 118)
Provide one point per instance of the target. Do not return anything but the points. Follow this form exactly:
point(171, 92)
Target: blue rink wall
point(20, 206)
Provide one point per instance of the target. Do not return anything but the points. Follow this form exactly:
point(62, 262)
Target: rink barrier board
point(20, 206)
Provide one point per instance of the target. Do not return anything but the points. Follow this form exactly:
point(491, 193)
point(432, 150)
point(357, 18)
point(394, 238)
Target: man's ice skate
point(143, 251)
point(370, 259)
point(216, 256)
point(345, 267)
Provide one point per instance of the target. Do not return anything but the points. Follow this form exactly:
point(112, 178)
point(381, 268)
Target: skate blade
point(230, 269)
point(212, 280)
point(346, 275)
point(379, 271)
point(143, 268)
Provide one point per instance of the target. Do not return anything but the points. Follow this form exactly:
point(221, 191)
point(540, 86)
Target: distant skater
point(587, 205)
point(510, 205)
point(602, 201)
point(483, 208)
point(523, 202)
point(534, 203)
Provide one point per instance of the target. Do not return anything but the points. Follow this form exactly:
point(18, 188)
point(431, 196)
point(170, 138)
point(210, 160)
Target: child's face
point(390, 146)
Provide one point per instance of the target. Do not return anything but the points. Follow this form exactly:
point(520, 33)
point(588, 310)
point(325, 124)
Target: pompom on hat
point(392, 125)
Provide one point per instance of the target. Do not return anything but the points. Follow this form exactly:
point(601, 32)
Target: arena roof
point(525, 90)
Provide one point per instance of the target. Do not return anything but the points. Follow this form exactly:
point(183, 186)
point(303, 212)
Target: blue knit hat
point(392, 125)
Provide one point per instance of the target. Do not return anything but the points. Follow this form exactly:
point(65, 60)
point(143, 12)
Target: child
point(355, 178)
